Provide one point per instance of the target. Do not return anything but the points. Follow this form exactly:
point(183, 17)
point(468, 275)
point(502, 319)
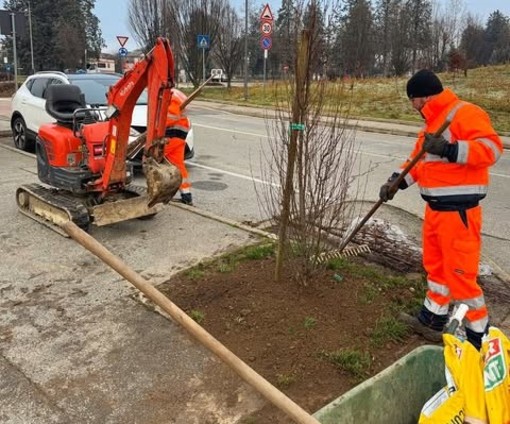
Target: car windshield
point(95, 90)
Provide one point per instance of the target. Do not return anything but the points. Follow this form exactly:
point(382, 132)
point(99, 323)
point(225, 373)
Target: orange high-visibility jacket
point(177, 123)
point(462, 184)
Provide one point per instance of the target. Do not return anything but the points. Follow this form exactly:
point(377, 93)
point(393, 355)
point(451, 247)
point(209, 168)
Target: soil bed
point(314, 342)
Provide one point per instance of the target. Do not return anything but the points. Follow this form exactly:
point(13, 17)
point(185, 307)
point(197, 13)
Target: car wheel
point(188, 154)
point(20, 136)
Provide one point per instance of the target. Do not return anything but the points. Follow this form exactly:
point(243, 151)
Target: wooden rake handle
point(394, 186)
point(195, 93)
point(248, 374)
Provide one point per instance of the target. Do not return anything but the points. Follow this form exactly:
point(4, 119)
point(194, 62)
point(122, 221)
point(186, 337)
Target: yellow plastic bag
point(444, 407)
point(496, 355)
point(472, 385)
point(464, 373)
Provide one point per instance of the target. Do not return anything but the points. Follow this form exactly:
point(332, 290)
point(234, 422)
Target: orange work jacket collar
point(435, 106)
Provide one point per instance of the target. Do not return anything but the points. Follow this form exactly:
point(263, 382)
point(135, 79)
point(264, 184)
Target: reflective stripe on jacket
point(461, 184)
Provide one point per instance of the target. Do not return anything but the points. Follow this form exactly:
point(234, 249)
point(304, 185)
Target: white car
point(28, 111)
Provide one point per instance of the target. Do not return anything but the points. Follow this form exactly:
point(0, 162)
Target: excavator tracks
point(52, 207)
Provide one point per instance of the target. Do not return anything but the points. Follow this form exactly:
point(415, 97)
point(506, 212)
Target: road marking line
point(233, 174)
point(227, 130)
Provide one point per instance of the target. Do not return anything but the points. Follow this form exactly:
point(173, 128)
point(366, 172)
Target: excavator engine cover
point(163, 180)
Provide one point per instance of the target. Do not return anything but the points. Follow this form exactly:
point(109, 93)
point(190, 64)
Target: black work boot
point(186, 199)
point(414, 324)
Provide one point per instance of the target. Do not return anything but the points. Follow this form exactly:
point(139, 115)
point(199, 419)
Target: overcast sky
point(113, 16)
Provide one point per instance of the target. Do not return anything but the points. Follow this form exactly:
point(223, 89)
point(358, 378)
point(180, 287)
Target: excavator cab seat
point(62, 100)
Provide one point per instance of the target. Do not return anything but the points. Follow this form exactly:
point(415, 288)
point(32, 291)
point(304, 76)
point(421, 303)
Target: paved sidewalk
point(77, 345)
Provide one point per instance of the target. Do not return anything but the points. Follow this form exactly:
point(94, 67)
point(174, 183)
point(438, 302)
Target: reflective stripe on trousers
point(174, 153)
point(451, 253)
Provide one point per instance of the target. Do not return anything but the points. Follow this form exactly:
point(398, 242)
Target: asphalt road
point(229, 180)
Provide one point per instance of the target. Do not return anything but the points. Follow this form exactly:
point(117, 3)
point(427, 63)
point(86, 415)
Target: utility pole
point(246, 50)
point(31, 39)
point(15, 59)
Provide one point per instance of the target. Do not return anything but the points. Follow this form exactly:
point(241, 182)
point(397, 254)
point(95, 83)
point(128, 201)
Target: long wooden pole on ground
point(266, 389)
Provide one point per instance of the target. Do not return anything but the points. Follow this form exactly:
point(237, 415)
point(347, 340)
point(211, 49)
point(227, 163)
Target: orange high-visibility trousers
point(174, 153)
point(451, 253)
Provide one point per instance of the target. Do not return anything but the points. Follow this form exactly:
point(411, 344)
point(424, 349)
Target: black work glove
point(441, 147)
point(386, 192)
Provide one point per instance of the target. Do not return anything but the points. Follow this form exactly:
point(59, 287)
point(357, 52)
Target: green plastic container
point(395, 395)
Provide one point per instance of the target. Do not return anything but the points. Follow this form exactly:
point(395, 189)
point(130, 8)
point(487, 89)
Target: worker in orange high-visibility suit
point(177, 128)
point(453, 177)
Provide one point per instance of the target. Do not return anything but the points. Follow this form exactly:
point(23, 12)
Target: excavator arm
point(156, 73)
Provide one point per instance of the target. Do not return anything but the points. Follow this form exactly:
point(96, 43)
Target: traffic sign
point(266, 14)
point(122, 40)
point(266, 43)
point(266, 28)
point(203, 41)
point(123, 52)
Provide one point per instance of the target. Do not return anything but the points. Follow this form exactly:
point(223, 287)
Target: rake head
point(351, 251)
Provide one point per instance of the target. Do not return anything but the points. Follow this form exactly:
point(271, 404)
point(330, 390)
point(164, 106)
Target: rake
point(355, 251)
point(335, 254)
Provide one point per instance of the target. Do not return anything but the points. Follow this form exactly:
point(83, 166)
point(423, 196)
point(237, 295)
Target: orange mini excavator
point(81, 158)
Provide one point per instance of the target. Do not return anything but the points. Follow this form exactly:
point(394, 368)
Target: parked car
point(28, 111)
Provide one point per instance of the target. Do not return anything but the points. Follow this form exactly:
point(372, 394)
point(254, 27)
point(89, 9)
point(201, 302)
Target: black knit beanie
point(423, 83)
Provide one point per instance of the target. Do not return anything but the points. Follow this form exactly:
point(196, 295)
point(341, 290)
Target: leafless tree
point(419, 14)
point(310, 161)
point(448, 21)
point(181, 21)
point(193, 18)
point(229, 48)
point(145, 21)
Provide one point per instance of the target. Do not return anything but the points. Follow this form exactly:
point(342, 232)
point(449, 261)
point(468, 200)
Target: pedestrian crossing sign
point(203, 41)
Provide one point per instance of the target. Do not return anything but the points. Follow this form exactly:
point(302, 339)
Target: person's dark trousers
point(431, 320)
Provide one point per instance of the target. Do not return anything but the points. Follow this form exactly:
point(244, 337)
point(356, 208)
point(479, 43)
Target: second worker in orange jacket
point(453, 177)
point(177, 128)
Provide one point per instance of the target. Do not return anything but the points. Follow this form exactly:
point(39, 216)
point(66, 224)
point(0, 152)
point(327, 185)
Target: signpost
point(266, 28)
point(123, 52)
point(203, 42)
point(122, 40)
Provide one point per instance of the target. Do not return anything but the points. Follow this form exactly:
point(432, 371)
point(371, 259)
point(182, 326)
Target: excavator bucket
point(163, 180)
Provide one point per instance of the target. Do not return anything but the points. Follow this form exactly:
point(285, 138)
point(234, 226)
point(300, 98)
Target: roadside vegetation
point(385, 98)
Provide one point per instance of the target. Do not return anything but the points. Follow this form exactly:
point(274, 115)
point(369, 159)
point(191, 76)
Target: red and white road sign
point(266, 28)
point(266, 14)
point(122, 40)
